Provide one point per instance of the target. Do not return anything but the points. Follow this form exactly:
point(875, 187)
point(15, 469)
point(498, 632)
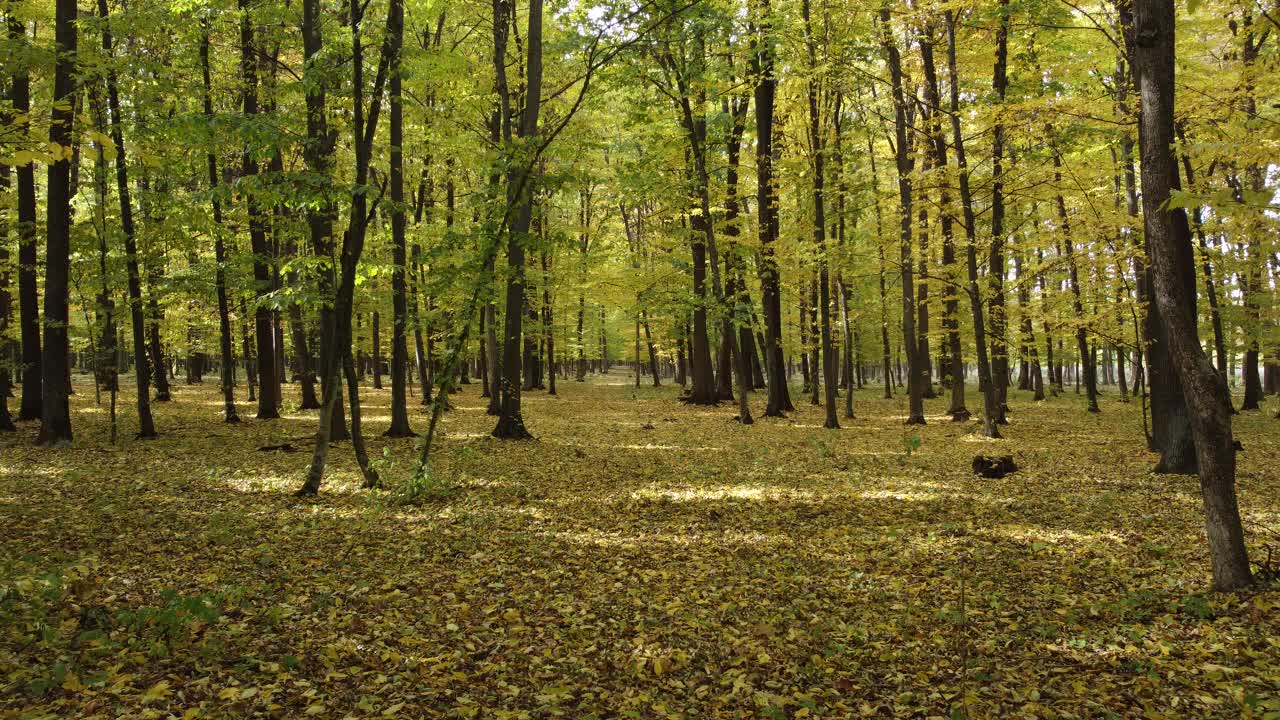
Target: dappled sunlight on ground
point(642, 558)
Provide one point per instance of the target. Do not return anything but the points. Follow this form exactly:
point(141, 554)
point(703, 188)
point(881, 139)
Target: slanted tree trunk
point(336, 353)
point(990, 399)
point(1173, 276)
point(220, 254)
point(146, 426)
point(1206, 267)
point(915, 385)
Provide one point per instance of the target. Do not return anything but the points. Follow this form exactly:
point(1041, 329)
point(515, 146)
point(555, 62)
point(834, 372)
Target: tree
point(55, 425)
point(1173, 275)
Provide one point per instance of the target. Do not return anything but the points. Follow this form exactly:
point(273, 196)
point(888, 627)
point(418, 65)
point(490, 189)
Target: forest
point(640, 359)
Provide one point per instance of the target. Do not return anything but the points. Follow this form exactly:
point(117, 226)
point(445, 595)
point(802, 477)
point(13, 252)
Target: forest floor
point(641, 559)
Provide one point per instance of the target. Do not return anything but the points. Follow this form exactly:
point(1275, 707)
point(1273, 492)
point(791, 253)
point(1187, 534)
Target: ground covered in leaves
point(641, 559)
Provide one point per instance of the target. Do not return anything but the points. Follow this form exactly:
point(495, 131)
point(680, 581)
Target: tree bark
point(763, 60)
point(1173, 275)
point(146, 426)
point(55, 426)
point(915, 385)
point(264, 333)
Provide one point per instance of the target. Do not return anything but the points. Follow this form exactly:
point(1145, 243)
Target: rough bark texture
point(1173, 276)
point(55, 425)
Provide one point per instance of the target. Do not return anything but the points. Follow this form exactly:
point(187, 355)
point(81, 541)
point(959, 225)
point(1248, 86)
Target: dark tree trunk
point(915, 386)
point(264, 334)
point(1173, 276)
point(30, 406)
point(762, 60)
point(829, 379)
point(519, 196)
point(1206, 267)
point(950, 317)
point(999, 344)
point(6, 310)
point(55, 426)
point(1082, 340)
point(220, 254)
point(146, 426)
point(990, 400)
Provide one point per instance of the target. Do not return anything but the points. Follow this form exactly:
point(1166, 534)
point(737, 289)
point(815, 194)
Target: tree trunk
point(990, 400)
point(29, 408)
point(762, 60)
point(146, 426)
point(1173, 275)
point(915, 386)
point(519, 198)
point(999, 345)
point(264, 336)
point(55, 427)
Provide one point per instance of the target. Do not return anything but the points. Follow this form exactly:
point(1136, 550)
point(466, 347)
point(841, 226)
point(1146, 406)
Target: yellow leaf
point(72, 683)
point(392, 710)
point(157, 692)
point(660, 666)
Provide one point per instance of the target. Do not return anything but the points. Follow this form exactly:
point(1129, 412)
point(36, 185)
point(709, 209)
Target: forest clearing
point(643, 558)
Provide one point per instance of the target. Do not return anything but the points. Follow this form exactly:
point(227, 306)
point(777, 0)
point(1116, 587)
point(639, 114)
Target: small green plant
point(424, 488)
point(382, 466)
point(824, 450)
point(911, 443)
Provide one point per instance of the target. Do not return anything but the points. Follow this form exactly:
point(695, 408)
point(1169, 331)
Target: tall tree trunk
point(990, 399)
point(520, 177)
point(29, 408)
point(336, 353)
point(950, 317)
point(220, 254)
point(999, 343)
point(762, 61)
point(55, 426)
point(915, 385)
point(885, 350)
point(264, 333)
point(820, 227)
point(6, 308)
point(1073, 274)
point(1206, 267)
point(1173, 276)
point(146, 426)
